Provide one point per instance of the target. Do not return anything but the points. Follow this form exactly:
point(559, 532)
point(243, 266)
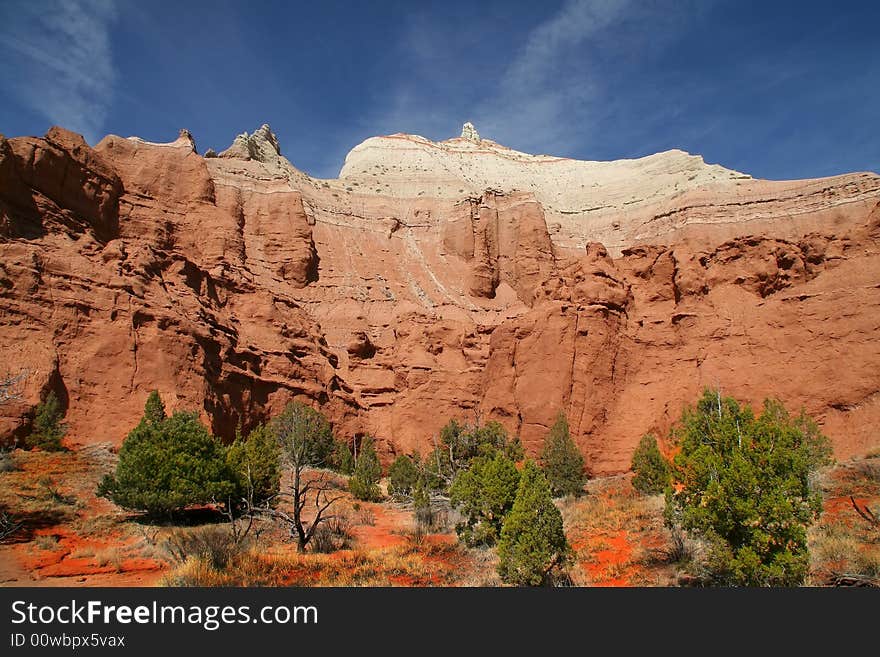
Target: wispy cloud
point(59, 59)
point(556, 93)
point(553, 92)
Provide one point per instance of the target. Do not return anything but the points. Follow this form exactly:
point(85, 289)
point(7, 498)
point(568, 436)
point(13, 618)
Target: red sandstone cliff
point(409, 290)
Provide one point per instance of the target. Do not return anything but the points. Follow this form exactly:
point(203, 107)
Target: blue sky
point(776, 89)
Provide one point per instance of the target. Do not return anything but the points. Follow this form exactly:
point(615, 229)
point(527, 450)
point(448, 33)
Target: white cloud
point(61, 63)
point(544, 91)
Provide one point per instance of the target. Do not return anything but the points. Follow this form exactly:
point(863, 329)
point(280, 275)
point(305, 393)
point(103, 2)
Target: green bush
point(367, 472)
point(255, 464)
point(462, 443)
point(651, 470)
point(533, 550)
point(154, 409)
point(422, 509)
point(742, 483)
point(47, 429)
point(562, 462)
point(168, 466)
point(402, 476)
point(484, 493)
point(342, 460)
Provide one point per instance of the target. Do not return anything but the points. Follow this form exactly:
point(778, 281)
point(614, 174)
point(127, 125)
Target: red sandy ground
point(71, 561)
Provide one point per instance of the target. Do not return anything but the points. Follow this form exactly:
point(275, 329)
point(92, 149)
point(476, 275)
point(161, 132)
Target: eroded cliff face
point(412, 290)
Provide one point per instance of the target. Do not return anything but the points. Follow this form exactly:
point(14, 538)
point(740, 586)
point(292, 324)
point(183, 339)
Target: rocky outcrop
point(57, 183)
point(505, 238)
point(425, 284)
point(469, 132)
point(261, 146)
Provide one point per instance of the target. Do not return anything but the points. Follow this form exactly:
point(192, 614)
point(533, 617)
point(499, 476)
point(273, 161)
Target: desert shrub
point(484, 493)
point(9, 525)
point(47, 429)
point(53, 494)
point(333, 535)
point(741, 482)
point(215, 545)
point(46, 542)
point(255, 464)
point(402, 476)
point(367, 472)
point(533, 549)
point(7, 461)
point(562, 462)
point(167, 466)
point(650, 468)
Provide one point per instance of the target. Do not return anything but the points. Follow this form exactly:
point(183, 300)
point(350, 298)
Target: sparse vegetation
point(612, 536)
point(397, 566)
point(845, 543)
point(215, 545)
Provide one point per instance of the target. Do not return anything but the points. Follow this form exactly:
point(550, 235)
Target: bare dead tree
point(241, 521)
point(8, 526)
point(866, 514)
point(299, 430)
point(9, 388)
point(319, 489)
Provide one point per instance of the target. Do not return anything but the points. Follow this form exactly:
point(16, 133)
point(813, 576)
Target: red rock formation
point(505, 238)
point(401, 295)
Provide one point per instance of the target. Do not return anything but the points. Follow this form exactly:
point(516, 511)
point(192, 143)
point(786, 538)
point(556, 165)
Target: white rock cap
point(469, 132)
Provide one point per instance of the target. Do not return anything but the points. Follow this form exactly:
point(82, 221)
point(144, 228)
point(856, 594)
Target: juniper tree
point(154, 409)
point(650, 467)
point(255, 463)
point(166, 467)
point(484, 493)
point(48, 430)
point(533, 549)
point(460, 444)
point(562, 462)
point(367, 472)
point(402, 476)
point(742, 483)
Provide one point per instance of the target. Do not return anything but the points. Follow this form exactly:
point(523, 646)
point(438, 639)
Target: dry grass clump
point(614, 509)
point(396, 566)
point(845, 547)
point(110, 557)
